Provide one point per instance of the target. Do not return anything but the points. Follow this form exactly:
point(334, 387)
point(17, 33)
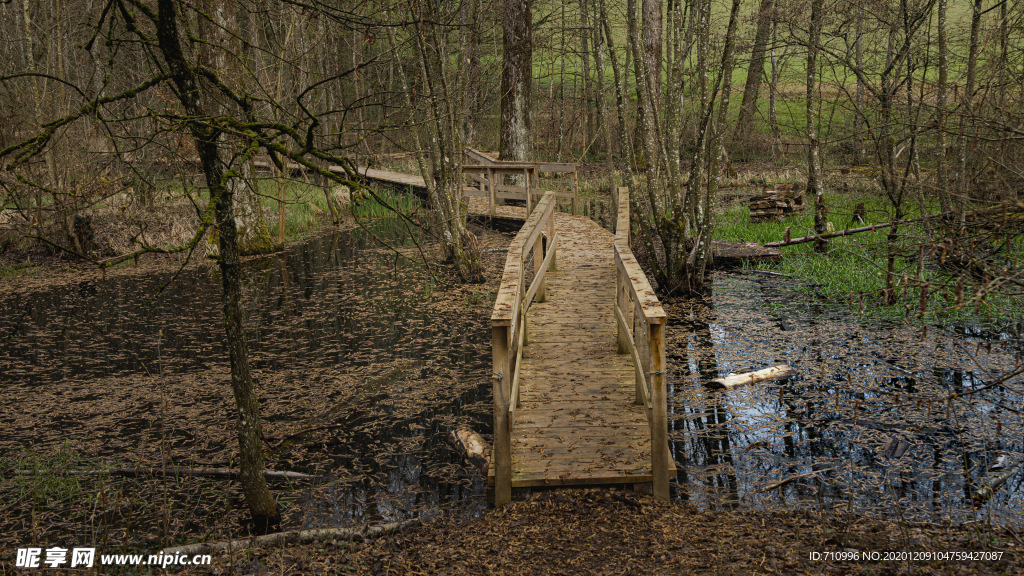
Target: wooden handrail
point(635, 299)
point(509, 331)
point(478, 156)
point(485, 179)
point(622, 217)
point(500, 166)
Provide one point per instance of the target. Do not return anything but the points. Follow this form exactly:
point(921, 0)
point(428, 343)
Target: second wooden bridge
point(578, 360)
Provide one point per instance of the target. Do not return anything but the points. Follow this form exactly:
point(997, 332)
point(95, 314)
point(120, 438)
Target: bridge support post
point(529, 197)
point(501, 384)
point(624, 306)
point(551, 246)
point(659, 416)
point(538, 261)
point(575, 190)
point(492, 194)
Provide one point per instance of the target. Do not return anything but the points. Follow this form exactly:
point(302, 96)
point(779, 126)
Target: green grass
point(25, 268)
point(51, 480)
point(383, 203)
point(853, 271)
point(305, 206)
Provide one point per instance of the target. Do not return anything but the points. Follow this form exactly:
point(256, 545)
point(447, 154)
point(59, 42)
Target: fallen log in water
point(781, 483)
point(988, 489)
point(780, 372)
point(472, 447)
point(293, 537)
point(226, 473)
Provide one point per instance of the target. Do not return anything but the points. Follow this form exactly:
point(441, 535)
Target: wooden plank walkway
point(726, 254)
point(577, 421)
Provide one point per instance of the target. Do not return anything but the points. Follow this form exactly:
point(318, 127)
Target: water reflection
point(870, 422)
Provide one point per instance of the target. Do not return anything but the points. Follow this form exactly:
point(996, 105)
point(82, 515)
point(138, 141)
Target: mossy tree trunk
point(208, 139)
point(815, 186)
point(675, 218)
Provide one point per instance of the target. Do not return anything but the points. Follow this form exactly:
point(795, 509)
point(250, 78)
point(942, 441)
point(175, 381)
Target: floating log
point(989, 488)
point(847, 232)
point(730, 254)
point(781, 483)
point(780, 372)
point(293, 537)
point(472, 447)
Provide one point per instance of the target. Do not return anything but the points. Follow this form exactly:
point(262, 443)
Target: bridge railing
point(509, 333)
point(641, 333)
point(485, 178)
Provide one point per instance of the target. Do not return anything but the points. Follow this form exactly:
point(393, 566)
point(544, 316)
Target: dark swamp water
point(891, 415)
point(364, 366)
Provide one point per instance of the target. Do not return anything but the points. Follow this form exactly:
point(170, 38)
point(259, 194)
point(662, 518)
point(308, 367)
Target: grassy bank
point(121, 223)
point(853, 271)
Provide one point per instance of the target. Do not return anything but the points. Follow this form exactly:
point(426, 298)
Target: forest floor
point(600, 531)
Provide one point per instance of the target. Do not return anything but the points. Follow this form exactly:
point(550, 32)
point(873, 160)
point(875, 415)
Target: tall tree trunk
point(815, 186)
point(470, 30)
point(773, 96)
point(858, 119)
point(886, 150)
point(620, 94)
point(716, 148)
point(652, 35)
point(966, 110)
point(915, 161)
point(517, 81)
point(601, 115)
point(265, 513)
point(442, 170)
point(748, 106)
point(650, 30)
point(941, 170)
point(37, 104)
point(561, 89)
point(589, 108)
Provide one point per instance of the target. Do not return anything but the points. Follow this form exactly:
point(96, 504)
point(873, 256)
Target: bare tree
point(675, 217)
point(192, 85)
point(815, 186)
point(442, 85)
point(941, 94)
point(751, 88)
point(966, 109)
point(186, 93)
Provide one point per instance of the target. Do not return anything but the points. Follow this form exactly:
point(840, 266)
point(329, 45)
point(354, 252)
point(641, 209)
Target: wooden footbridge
point(577, 336)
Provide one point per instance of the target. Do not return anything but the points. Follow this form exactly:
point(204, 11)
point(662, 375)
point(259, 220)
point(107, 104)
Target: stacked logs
point(776, 203)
